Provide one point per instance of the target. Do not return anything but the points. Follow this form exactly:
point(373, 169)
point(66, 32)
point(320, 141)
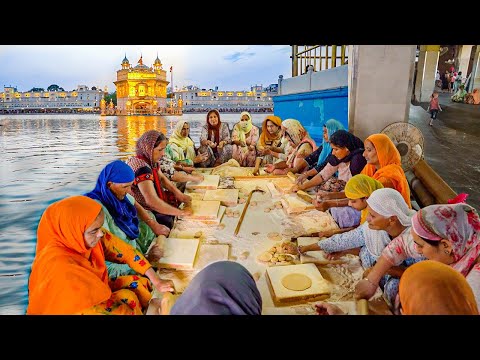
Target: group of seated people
point(95, 251)
point(462, 96)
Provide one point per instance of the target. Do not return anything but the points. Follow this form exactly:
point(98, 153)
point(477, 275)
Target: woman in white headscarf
point(388, 217)
point(447, 233)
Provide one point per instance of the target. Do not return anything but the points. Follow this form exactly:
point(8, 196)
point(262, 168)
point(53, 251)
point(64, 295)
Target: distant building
point(141, 89)
point(256, 99)
point(83, 99)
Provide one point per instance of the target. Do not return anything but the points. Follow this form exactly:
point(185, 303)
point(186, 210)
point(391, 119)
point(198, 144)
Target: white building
point(196, 99)
point(83, 99)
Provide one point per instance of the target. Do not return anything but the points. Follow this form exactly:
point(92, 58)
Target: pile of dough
point(280, 254)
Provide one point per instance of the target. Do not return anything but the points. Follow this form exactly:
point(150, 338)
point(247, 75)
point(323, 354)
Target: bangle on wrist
point(149, 220)
point(366, 278)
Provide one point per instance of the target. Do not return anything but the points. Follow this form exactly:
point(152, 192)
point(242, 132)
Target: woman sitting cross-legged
point(69, 273)
point(125, 217)
point(388, 217)
point(151, 188)
point(181, 148)
point(215, 141)
point(299, 145)
point(244, 138)
point(270, 148)
point(448, 233)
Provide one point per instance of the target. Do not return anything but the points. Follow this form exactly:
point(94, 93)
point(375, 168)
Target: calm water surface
point(49, 157)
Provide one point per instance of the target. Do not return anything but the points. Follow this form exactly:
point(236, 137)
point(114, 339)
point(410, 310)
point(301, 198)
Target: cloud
point(238, 56)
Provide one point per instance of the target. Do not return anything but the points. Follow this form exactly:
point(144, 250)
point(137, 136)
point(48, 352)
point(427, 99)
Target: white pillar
point(464, 53)
point(420, 68)
point(432, 53)
point(379, 86)
point(476, 70)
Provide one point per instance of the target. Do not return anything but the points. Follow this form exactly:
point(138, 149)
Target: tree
point(112, 96)
point(35, 89)
point(55, 87)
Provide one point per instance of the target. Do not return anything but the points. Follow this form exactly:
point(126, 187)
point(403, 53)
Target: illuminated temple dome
point(141, 89)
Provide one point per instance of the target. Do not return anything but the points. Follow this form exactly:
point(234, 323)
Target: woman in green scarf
point(181, 148)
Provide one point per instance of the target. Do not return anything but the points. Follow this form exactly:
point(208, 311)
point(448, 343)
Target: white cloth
point(389, 202)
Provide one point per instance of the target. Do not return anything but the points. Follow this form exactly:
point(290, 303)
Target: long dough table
point(252, 240)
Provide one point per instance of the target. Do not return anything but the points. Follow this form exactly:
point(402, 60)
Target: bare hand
point(256, 172)
point(301, 179)
point(334, 255)
point(365, 289)
point(159, 229)
point(320, 205)
point(295, 188)
point(200, 158)
point(189, 169)
point(251, 147)
point(187, 211)
point(221, 144)
point(212, 144)
point(269, 168)
point(198, 178)
point(155, 253)
point(163, 285)
point(324, 308)
point(184, 198)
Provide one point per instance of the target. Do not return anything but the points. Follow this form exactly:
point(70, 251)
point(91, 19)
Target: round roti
point(296, 282)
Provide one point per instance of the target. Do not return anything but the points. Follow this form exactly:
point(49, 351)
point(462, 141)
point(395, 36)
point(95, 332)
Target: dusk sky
point(230, 67)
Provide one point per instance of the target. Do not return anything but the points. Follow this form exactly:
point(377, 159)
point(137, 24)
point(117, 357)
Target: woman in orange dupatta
point(69, 274)
point(384, 164)
point(432, 288)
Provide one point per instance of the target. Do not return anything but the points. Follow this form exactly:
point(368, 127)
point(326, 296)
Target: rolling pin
point(304, 196)
point(362, 307)
point(237, 229)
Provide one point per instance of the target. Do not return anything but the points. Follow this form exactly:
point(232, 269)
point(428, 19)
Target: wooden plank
point(203, 210)
point(292, 204)
point(227, 197)
point(210, 253)
point(179, 253)
point(320, 288)
point(210, 182)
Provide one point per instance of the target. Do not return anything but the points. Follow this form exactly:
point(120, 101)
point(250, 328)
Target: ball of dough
point(221, 226)
point(275, 236)
point(265, 257)
point(198, 234)
point(244, 255)
point(267, 209)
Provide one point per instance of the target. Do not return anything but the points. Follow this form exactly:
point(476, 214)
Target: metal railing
point(321, 57)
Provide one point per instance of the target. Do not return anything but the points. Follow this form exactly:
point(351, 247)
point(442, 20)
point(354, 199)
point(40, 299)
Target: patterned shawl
point(458, 223)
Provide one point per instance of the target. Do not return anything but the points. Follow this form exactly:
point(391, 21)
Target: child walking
point(434, 107)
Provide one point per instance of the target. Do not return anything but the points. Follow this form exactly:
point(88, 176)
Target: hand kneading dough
point(296, 282)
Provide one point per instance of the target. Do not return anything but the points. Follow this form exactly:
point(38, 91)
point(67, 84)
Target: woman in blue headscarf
point(221, 288)
point(124, 217)
point(318, 158)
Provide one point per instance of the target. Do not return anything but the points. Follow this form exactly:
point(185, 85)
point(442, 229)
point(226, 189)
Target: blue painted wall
point(314, 108)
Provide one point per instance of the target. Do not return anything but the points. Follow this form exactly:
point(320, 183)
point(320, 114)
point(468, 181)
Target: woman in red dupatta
point(151, 188)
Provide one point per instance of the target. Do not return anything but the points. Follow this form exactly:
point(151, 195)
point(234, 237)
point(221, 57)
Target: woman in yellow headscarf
point(270, 147)
point(181, 148)
point(384, 164)
point(244, 139)
point(358, 189)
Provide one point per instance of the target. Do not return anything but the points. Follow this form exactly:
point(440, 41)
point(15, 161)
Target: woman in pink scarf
point(447, 233)
point(300, 145)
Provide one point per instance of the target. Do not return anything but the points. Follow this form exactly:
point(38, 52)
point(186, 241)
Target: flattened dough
point(296, 282)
